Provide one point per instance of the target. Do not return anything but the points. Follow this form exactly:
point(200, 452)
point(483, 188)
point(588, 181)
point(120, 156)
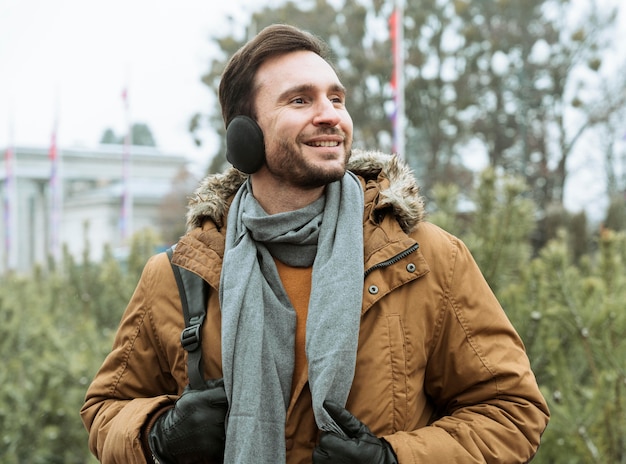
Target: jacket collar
point(399, 192)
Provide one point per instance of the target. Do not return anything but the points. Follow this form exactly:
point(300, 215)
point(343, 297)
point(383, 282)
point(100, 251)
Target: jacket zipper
point(395, 259)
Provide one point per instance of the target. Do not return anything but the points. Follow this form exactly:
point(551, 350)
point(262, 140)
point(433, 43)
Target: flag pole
point(127, 200)
point(56, 191)
point(10, 200)
point(397, 36)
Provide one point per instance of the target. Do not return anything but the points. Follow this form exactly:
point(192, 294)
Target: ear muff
point(245, 148)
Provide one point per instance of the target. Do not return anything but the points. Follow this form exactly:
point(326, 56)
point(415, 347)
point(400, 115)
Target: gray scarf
point(258, 320)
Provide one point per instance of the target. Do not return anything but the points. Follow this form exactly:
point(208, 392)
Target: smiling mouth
point(326, 143)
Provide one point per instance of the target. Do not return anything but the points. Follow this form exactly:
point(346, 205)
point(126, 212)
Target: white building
point(91, 195)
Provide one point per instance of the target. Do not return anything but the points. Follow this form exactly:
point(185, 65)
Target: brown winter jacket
point(441, 374)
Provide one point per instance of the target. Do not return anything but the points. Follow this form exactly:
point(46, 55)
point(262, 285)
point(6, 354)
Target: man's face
point(300, 105)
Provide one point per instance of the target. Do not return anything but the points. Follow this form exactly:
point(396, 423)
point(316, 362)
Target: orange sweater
point(297, 284)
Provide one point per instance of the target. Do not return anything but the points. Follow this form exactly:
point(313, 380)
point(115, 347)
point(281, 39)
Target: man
point(341, 327)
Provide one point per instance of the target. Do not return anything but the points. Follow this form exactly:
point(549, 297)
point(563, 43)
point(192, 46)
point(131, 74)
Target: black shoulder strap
point(193, 296)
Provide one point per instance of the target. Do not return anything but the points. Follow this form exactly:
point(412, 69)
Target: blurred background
point(511, 114)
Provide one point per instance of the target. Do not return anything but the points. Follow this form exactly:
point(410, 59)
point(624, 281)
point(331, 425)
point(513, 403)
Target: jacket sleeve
point(137, 378)
point(489, 407)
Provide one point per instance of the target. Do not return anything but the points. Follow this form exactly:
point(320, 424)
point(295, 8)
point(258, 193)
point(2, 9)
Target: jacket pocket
point(399, 384)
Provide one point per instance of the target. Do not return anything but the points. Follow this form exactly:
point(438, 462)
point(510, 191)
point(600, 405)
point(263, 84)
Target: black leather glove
point(193, 430)
point(361, 445)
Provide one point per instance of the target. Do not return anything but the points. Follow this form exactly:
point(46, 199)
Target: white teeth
point(325, 144)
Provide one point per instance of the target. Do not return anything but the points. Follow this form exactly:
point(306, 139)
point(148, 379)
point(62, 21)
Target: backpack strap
point(193, 292)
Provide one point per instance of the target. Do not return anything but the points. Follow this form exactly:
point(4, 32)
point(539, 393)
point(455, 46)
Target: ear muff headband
point(245, 148)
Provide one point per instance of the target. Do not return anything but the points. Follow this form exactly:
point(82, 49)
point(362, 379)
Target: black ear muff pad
point(245, 148)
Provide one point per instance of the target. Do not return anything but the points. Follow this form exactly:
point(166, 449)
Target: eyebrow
point(305, 88)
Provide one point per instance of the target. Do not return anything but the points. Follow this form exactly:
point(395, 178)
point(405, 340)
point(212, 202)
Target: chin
point(316, 178)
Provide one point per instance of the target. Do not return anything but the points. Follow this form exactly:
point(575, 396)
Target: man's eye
point(298, 100)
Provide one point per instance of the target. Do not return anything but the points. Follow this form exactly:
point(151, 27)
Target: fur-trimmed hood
point(212, 198)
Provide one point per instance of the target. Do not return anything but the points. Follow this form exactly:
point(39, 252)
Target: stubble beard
point(291, 166)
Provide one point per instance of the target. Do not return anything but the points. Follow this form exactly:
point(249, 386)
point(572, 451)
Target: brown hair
point(236, 90)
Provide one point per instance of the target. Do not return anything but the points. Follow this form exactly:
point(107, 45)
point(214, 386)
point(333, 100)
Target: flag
point(396, 34)
point(393, 35)
point(55, 197)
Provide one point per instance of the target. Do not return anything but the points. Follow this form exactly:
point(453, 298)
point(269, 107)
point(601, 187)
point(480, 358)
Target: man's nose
point(326, 114)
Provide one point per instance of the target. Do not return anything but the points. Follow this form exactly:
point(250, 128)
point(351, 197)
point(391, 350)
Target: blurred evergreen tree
point(109, 137)
point(567, 305)
point(495, 222)
point(141, 135)
point(55, 330)
point(579, 239)
point(173, 207)
point(572, 320)
point(616, 214)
